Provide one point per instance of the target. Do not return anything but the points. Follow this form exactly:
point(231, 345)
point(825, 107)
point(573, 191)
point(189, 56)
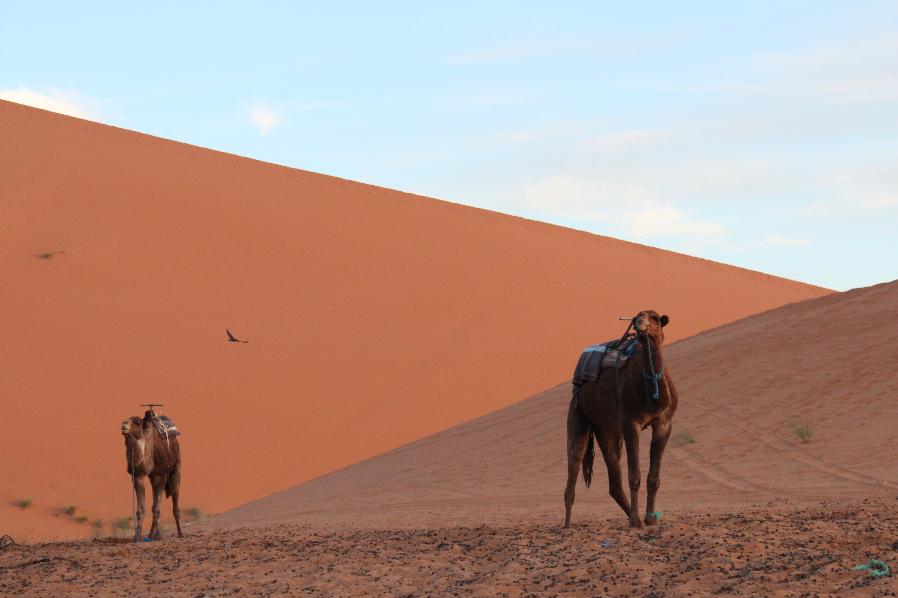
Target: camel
point(150, 454)
point(616, 407)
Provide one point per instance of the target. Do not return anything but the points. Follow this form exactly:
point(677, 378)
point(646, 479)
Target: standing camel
point(616, 407)
point(151, 453)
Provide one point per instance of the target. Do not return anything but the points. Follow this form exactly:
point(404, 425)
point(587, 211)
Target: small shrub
point(70, 510)
point(48, 254)
point(121, 525)
point(25, 503)
point(803, 432)
point(97, 524)
point(82, 519)
point(684, 437)
point(194, 514)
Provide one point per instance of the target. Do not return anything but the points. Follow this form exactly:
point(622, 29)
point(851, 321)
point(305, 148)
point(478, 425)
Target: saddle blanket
point(608, 354)
point(166, 426)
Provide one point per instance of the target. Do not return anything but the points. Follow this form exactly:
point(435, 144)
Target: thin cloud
point(70, 103)
point(630, 209)
point(502, 54)
point(621, 139)
point(775, 241)
point(264, 117)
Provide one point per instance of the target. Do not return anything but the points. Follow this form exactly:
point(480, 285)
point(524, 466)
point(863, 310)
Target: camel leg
point(158, 484)
point(174, 482)
point(577, 440)
point(660, 434)
point(610, 445)
point(631, 439)
point(141, 503)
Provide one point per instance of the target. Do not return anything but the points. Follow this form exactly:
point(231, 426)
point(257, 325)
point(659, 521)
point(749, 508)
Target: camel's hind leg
point(174, 488)
point(577, 440)
point(660, 434)
point(610, 445)
point(158, 483)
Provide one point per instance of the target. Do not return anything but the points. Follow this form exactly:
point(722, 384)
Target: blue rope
point(655, 378)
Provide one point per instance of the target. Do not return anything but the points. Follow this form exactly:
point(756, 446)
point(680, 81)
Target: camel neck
point(652, 348)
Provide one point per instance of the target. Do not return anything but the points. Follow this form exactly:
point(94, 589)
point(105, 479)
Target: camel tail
point(588, 459)
point(168, 486)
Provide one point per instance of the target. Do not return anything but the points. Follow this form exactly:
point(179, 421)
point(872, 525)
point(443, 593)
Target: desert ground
point(374, 317)
point(776, 549)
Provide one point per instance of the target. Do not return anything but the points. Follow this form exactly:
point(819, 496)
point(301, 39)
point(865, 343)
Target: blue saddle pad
point(608, 354)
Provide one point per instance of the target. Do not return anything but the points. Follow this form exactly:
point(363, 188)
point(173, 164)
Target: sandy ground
point(374, 317)
point(772, 550)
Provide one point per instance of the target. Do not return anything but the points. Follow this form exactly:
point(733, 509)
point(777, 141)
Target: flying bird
point(232, 338)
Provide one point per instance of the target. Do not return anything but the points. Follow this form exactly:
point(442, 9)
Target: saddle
point(610, 354)
point(165, 426)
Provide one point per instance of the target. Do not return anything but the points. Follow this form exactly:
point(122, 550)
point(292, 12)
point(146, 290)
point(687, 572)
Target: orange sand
point(374, 317)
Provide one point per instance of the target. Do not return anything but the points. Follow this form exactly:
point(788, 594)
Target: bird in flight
point(232, 338)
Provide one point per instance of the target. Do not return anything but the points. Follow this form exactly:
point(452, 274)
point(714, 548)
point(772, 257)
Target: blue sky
point(758, 134)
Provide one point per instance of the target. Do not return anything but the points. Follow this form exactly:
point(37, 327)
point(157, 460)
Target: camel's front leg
point(141, 502)
point(660, 434)
point(158, 484)
point(631, 440)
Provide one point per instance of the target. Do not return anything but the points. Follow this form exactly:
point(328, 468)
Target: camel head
point(649, 323)
point(132, 428)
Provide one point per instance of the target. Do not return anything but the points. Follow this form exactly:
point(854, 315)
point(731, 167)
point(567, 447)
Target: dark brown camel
point(150, 454)
point(614, 409)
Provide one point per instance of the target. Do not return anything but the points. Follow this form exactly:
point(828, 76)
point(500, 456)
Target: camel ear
point(664, 321)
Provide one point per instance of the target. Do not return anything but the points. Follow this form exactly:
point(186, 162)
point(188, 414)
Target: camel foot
point(180, 535)
point(650, 520)
point(157, 536)
point(636, 523)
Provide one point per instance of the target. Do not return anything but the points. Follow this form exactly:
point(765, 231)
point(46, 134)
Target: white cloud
point(264, 117)
point(870, 188)
point(631, 209)
point(70, 103)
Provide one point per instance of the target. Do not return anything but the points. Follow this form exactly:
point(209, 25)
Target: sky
point(759, 134)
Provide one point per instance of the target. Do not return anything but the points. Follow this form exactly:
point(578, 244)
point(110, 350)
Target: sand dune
point(374, 317)
point(825, 364)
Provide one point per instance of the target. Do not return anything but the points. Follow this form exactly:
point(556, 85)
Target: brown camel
point(616, 407)
point(151, 454)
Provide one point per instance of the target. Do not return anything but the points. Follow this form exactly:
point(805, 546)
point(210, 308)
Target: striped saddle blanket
point(594, 358)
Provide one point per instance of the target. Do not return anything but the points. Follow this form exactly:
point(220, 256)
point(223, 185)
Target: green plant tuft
point(25, 503)
point(803, 432)
point(70, 510)
point(683, 438)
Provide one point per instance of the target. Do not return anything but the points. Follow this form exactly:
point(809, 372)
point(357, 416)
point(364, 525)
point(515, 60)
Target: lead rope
point(133, 481)
point(653, 377)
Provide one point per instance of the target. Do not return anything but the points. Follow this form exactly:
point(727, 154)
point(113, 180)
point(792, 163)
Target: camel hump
point(594, 358)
